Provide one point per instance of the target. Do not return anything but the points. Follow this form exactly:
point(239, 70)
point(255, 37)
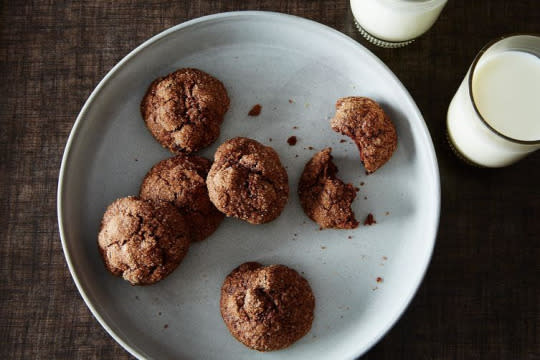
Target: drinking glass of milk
point(395, 23)
point(494, 118)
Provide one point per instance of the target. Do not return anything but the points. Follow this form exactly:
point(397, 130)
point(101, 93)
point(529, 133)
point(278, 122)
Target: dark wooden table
point(481, 295)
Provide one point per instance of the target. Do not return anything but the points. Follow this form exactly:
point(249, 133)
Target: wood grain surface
point(481, 296)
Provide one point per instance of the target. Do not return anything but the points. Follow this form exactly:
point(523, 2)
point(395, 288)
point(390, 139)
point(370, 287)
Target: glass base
point(458, 154)
point(382, 43)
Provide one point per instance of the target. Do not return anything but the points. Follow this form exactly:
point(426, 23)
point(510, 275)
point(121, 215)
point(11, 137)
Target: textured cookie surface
point(181, 180)
point(266, 307)
point(247, 181)
point(142, 241)
point(369, 126)
point(324, 197)
point(184, 110)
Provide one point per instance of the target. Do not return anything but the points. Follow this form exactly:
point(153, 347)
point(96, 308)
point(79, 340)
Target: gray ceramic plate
point(264, 58)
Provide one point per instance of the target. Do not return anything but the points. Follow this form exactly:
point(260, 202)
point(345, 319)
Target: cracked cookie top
point(266, 307)
point(247, 181)
point(184, 110)
point(363, 120)
point(325, 198)
point(141, 240)
point(181, 180)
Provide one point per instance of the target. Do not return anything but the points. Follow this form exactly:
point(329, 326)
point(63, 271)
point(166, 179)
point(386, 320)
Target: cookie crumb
point(165, 326)
point(387, 213)
point(290, 101)
point(384, 258)
point(379, 279)
point(295, 127)
point(159, 313)
point(370, 220)
point(349, 237)
point(136, 159)
point(362, 183)
point(296, 155)
point(310, 147)
point(292, 140)
point(255, 110)
point(270, 139)
point(365, 197)
point(323, 247)
point(342, 141)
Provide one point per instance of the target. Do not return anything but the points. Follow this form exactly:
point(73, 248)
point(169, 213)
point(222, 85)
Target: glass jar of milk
point(494, 118)
point(395, 23)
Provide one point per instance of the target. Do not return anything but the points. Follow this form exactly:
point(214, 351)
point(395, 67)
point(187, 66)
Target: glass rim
point(471, 96)
point(426, 4)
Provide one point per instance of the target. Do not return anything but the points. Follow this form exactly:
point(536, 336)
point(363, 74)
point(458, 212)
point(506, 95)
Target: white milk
point(396, 20)
point(506, 90)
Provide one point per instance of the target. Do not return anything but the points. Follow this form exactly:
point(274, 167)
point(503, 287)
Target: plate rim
point(74, 134)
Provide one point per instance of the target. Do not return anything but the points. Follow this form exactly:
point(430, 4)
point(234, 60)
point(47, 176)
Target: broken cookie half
point(363, 120)
point(325, 198)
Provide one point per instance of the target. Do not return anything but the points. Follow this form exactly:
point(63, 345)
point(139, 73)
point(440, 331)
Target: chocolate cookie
point(184, 110)
point(247, 181)
point(324, 197)
point(141, 240)
point(266, 307)
point(181, 180)
point(369, 126)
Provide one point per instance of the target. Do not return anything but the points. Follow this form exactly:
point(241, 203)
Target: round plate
point(296, 69)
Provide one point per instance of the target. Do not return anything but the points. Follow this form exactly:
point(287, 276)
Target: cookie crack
point(125, 239)
point(190, 102)
point(269, 299)
point(268, 305)
point(168, 184)
point(252, 170)
point(236, 165)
